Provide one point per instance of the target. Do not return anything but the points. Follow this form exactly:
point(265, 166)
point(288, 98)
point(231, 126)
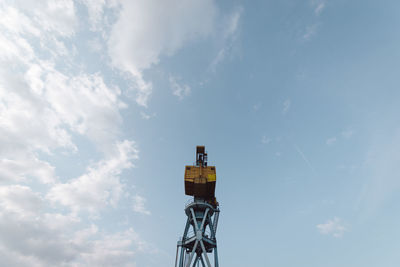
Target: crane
point(199, 236)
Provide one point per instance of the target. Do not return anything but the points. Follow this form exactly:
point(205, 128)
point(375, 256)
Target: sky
point(102, 104)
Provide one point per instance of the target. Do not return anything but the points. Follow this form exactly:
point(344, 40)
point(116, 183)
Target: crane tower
point(199, 237)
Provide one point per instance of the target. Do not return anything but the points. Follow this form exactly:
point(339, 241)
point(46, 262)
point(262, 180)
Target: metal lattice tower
point(195, 245)
point(199, 237)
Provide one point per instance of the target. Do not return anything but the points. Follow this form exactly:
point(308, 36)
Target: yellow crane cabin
point(200, 179)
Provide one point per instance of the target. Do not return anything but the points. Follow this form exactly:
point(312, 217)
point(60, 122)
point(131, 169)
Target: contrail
point(304, 158)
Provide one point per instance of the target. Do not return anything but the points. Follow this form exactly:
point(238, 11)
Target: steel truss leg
point(215, 257)
point(191, 255)
point(205, 253)
point(182, 256)
point(202, 262)
point(196, 260)
point(176, 258)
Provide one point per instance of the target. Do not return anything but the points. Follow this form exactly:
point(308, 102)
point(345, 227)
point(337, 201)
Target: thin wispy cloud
point(265, 140)
point(178, 88)
point(382, 181)
point(257, 106)
point(229, 33)
point(286, 106)
point(333, 227)
point(347, 134)
point(304, 157)
point(330, 141)
point(319, 6)
point(146, 116)
point(139, 205)
point(310, 31)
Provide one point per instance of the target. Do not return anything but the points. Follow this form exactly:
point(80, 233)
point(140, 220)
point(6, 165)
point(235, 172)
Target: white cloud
point(178, 89)
point(331, 141)
point(57, 17)
point(51, 239)
point(112, 250)
point(17, 22)
point(146, 116)
point(20, 199)
point(47, 101)
point(139, 205)
point(332, 227)
point(22, 167)
point(24, 231)
point(95, 10)
point(100, 186)
point(85, 104)
point(42, 107)
point(286, 106)
point(27, 122)
point(137, 40)
point(95, 45)
point(32, 236)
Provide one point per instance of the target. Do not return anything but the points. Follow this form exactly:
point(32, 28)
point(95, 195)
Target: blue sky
point(103, 102)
